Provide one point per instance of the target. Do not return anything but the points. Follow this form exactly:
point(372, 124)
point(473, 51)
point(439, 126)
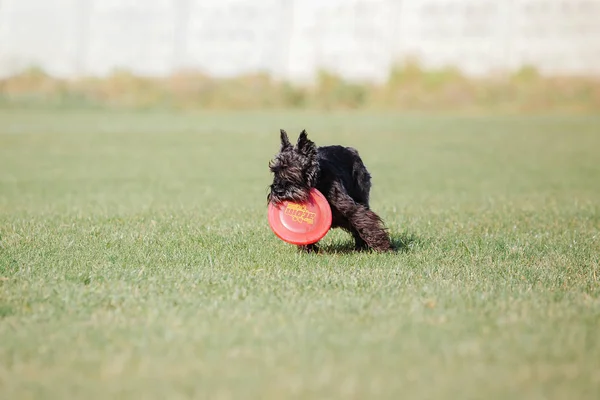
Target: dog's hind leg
point(367, 225)
point(362, 179)
point(359, 243)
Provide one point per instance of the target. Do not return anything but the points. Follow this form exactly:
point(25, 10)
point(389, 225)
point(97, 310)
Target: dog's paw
point(309, 248)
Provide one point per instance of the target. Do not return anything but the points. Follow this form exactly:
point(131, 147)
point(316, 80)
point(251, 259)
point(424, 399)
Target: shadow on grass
point(401, 243)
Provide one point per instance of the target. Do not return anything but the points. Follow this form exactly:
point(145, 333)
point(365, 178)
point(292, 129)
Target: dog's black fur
point(339, 173)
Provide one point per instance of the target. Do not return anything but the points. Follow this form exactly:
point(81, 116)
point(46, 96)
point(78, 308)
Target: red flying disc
point(301, 223)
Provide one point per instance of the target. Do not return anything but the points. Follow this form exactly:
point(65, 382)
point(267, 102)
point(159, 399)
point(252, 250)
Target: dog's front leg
point(309, 248)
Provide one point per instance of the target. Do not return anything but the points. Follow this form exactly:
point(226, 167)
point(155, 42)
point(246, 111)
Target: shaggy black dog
point(339, 173)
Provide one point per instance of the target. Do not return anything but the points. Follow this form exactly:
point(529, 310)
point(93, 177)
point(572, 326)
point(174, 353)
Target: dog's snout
point(277, 189)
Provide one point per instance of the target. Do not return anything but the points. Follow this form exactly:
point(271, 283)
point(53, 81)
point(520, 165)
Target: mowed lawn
point(136, 260)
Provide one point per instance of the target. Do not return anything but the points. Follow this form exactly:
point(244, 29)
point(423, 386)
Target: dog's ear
point(304, 145)
point(285, 142)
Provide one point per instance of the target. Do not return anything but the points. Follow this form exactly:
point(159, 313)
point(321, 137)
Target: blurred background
point(513, 55)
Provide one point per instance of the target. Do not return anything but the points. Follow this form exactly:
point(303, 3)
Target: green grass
point(136, 260)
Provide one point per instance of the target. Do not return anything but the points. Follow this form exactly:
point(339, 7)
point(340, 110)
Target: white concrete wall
point(359, 39)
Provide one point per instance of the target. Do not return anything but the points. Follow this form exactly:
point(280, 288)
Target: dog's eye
point(276, 166)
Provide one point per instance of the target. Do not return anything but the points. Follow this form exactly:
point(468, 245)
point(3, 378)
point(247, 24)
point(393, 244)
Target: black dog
point(339, 173)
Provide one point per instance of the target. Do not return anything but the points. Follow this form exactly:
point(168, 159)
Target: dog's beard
point(294, 194)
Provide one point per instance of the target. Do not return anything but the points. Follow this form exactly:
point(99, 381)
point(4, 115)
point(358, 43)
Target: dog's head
point(295, 170)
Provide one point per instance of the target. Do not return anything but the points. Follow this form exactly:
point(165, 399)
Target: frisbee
point(301, 223)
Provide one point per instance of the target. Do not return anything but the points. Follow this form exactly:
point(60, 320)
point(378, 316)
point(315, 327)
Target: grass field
point(136, 260)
